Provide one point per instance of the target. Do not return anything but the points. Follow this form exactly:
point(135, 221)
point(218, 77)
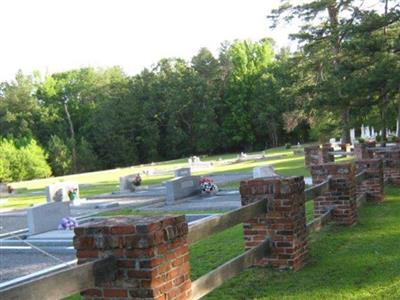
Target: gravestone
point(264, 171)
point(195, 162)
point(3, 189)
point(183, 172)
point(46, 217)
point(125, 182)
point(59, 191)
point(182, 187)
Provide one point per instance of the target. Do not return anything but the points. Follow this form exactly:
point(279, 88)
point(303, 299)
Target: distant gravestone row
point(195, 162)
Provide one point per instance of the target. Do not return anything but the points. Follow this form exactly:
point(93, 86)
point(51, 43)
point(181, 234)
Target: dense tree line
point(346, 72)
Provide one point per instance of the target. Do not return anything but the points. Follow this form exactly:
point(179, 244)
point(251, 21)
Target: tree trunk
point(398, 123)
point(345, 127)
point(72, 133)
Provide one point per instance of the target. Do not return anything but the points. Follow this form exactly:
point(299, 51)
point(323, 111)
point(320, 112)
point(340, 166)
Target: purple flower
point(67, 223)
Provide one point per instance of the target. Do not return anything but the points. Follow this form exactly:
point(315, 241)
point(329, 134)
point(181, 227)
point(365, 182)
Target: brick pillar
point(361, 151)
point(284, 222)
point(391, 164)
point(373, 185)
point(152, 257)
point(341, 194)
point(312, 156)
point(326, 157)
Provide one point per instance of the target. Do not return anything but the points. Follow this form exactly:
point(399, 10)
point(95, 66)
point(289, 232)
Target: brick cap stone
point(130, 224)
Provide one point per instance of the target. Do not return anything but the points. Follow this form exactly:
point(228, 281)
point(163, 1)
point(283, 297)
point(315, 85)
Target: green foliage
point(33, 159)
point(59, 156)
point(87, 160)
point(22, 163)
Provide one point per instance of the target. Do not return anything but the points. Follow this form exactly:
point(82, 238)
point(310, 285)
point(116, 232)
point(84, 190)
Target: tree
point(326, 26)
point(59, 156)
point(249, 60)
point(19, 109)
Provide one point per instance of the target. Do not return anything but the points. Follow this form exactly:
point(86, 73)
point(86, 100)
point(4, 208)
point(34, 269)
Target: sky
point(57, 35)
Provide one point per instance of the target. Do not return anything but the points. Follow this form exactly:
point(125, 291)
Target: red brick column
point(312, 156)
point(326, 157)
point(341, 194)
point(373, 185)
point(152, 256)
point(391, 164)
point(284, 222)
point(361, 151)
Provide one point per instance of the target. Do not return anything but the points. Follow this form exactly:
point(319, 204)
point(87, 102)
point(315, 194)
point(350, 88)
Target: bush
point(34, 162)
point(21, 163)
point(288, 146)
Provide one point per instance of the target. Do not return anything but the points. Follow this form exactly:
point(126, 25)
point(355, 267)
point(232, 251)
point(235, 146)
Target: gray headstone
point(125, 183)
point(182, 187)
point(46, 217)
point(3, 188)
point(59, 191)
point(183, 172)
point(264, 171)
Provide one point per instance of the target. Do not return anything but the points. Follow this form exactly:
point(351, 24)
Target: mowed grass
point(94, 183)
point(360, 262)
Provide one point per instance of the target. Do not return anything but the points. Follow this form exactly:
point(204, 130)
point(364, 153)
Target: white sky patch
point(57, 35)
point(52, 36)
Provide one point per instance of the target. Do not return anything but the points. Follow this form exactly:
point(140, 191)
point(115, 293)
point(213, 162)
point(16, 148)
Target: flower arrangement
point(137, 180)
point(67, 223)
point(207, 186)
point(73, 194)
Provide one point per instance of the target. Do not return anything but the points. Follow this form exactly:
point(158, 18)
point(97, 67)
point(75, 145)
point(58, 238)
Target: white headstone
point(59, 191)
point(182, 172)
point(264, 171)
point(46, 217)
point(352, 135)
point(125, 182)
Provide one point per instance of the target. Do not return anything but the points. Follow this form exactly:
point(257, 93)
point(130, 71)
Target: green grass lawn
point(100, 182)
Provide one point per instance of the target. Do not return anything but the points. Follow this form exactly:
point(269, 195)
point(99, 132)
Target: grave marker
point(46, 217)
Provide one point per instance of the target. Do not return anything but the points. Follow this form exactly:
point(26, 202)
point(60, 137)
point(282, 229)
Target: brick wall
point(373, 184)
point(285, 221)
point(316, 155)
point(152, 256)
point(312, 156)
point(361, 151)
point(341, 194)
point(391, 164)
